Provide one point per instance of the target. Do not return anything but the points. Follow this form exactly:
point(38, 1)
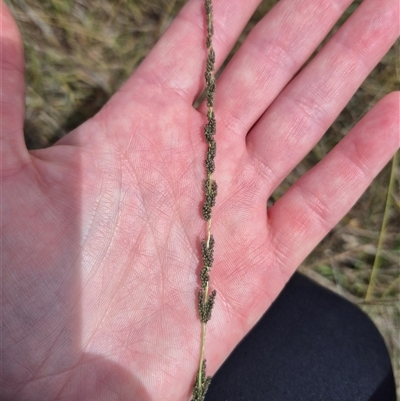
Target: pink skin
point(101, 232)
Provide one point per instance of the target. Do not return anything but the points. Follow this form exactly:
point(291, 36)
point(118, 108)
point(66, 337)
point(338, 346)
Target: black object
point(311, 345)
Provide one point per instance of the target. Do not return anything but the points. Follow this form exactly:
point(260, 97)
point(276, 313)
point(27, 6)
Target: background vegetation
point(79, 53)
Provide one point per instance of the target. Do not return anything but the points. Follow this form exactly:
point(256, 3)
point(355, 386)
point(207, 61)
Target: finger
point(12, 84)
point(271, 55)
point(310, 103)
point(177, 61)
point(318, 200)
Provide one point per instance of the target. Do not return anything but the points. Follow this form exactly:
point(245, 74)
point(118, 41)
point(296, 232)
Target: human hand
point(101, 232)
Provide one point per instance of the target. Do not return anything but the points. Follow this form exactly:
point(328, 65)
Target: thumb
point(13, 151)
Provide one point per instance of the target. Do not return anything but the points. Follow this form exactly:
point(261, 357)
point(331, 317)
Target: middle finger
point(269, 58)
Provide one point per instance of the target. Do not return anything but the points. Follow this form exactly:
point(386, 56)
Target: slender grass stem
point(206, 300)
point(385, 220)
point(203, 342)
point(391, 286)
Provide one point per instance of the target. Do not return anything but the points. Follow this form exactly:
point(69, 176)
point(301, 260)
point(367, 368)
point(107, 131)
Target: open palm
point(101, 232)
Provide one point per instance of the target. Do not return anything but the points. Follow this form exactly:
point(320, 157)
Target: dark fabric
point(311, 345)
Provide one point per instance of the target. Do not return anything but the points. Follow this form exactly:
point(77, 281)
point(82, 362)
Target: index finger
point(177, 61)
